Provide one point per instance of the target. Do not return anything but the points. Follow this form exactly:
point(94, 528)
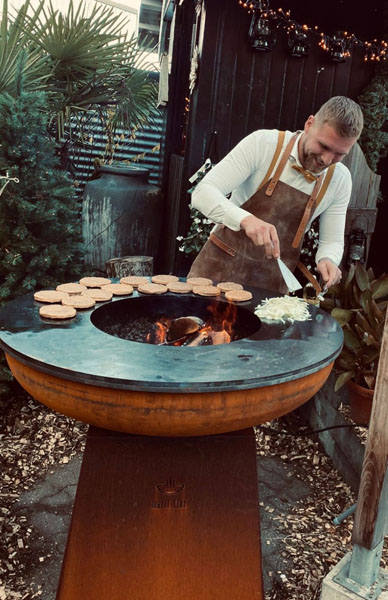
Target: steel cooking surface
point(78, 350)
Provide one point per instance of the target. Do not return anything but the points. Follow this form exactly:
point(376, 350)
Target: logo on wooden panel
point(169, 495)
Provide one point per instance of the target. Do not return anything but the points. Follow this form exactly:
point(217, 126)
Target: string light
point(339, 45)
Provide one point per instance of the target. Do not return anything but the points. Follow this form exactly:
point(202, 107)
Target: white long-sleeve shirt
point(243, 170)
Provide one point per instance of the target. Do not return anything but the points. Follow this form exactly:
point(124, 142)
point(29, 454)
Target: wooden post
point(129, 265)
point(370, 504)
point(371, 519)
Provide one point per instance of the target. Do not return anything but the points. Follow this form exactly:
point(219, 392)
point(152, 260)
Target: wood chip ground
point(35, 441)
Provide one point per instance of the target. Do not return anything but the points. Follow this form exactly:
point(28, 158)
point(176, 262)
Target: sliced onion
point(283, 308)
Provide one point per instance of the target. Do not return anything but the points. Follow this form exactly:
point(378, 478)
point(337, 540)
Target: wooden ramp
point(157, 518)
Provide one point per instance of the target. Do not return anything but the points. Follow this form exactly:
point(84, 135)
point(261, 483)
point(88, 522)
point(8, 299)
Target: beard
point(312, 162)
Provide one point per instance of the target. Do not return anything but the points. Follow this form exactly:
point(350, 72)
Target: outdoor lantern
point(338, 46)
point(261, 35)
point(298, 41)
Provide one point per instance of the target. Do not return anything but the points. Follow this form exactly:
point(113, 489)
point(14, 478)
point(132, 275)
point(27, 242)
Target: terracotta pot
point(360, 399)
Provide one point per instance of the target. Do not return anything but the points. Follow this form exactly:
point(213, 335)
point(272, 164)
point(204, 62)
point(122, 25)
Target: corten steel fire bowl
point(80, 370)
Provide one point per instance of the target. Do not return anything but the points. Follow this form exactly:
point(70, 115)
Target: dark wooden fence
point(239, 90)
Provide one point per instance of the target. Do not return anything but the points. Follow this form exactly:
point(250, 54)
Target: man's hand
point(329, 271)
point(262, 234)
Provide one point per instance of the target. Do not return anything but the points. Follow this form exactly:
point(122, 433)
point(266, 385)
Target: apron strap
point(281, 136)
point(325, 185)
point(225, 247)
point(319, 190)
point(272, 184)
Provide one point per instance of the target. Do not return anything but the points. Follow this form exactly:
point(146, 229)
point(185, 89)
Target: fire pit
point(171, 516)
point(85, 368)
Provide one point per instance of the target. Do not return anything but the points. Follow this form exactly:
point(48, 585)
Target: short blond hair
point(343, 114)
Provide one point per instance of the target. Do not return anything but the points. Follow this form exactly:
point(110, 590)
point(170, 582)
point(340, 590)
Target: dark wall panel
point(239, 90)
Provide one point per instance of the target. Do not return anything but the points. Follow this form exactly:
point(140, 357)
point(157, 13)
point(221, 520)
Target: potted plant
point(359, 305)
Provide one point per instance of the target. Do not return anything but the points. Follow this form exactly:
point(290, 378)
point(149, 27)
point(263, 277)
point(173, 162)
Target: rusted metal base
point(167, 414)
point(158, 518)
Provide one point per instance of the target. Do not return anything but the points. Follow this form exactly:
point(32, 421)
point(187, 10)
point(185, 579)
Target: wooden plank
point(223, 105)
point(261, 73)
point(174, 191)
point(275, 87)
point(360, 218)
point(370, 524)
point(365, 183)
point(362, 212)
point(244, 83)
point(158, 518)
point(295, 68)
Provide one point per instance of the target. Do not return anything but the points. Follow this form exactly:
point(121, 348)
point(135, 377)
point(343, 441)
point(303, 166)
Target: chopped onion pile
point(284, 308)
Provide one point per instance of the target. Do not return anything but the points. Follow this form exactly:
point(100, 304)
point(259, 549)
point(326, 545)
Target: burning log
point(182, 327)
point(165, 330)
point(219, 337)
point(199, 339)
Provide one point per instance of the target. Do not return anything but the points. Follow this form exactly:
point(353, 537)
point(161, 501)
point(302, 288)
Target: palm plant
point(13, 42)
point(84, 63)
point(92, 66)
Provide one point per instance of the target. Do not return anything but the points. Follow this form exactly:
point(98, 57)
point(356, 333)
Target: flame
point(224, 318)
point(219, 328)
point(159, 332)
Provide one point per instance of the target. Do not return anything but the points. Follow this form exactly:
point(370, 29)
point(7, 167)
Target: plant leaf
point(362, 277)
point(370, 381)
point(379, 287)
point(328, 304)
point(377, 313)
point(341, 315)
point(364, 323)
point(369, 355)
point(351, 340)
point(349, 276)
point(365, 299)
point(342, 379)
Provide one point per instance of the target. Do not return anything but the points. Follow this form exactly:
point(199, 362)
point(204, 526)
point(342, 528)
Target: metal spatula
point(289, 278)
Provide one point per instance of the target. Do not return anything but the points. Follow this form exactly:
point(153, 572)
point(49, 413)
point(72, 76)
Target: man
point(266, 192)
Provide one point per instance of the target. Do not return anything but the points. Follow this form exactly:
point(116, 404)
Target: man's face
point(321, 146)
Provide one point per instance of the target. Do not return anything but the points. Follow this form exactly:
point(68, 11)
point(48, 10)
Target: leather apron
point(230, 255)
